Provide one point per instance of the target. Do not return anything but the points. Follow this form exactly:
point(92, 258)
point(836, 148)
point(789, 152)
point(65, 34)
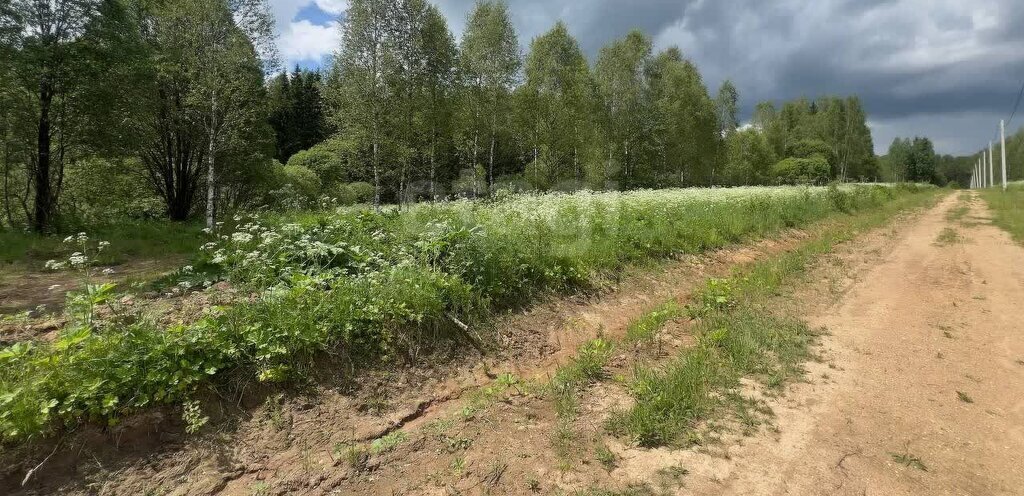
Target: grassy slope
point(404, 280)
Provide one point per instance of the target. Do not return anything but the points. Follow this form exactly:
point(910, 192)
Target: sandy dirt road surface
point(925, 389)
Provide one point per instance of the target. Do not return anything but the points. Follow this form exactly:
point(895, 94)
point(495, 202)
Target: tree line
point(176, 108)
point(915, 160)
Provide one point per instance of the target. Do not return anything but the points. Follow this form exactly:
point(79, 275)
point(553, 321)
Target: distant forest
point(915, 159)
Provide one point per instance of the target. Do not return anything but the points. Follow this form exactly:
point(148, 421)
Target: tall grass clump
point(370, 286)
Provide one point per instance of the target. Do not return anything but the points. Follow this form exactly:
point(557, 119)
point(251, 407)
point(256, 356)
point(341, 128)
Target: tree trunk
point(476, 145)
point(490, 167)
point(7, 185)
point(433, 166)
point(608, 167)
point(43, 201)
point(376, 175)
point(576, 163)
point(536, 168)
point(211, 178)
point(625, 164)
point(211, 174)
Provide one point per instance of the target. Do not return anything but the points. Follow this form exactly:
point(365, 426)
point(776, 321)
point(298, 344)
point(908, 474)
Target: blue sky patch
point(315, 15)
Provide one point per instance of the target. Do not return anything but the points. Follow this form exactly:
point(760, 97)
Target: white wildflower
point(77, 259)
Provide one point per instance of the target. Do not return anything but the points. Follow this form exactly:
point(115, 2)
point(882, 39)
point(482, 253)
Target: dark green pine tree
point(297, 112)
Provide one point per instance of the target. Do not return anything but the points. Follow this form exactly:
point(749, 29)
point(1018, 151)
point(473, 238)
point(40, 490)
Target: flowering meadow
point(371, 286)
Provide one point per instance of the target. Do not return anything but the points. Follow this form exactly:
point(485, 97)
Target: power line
point(1016, 104)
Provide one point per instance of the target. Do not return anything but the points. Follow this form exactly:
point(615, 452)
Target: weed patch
point(909, 460)
point(947, 237)
point(387, 443)
point(644, 328)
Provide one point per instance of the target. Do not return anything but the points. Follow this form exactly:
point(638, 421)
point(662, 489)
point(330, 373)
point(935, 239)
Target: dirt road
point(925, 389)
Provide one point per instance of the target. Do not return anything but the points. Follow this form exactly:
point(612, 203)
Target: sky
point(946, 69)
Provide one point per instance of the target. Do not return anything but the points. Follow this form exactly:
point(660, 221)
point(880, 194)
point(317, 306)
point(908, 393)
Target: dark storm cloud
point(912, 62)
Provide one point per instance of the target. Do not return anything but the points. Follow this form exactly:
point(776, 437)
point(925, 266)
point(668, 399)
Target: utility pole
point(984, 177)
point(991, 166)
point(1002, 148)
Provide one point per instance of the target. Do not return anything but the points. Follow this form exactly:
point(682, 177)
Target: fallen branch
point(473, 340)
point(28, 475)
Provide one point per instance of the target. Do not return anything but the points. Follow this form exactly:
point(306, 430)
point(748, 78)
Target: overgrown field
point(1007, 208)
point(370, 286)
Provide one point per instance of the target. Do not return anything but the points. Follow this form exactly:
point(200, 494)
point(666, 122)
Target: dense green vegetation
point(369, 285)
point(140, 109)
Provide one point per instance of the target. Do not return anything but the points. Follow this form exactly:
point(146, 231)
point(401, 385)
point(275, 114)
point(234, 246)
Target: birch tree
point(620, 76)
point(491, 62)
point(362, 70)
point(562, 92)
point(206, 98)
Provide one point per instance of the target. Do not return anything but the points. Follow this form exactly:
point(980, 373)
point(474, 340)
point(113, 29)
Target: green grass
point(387, 443)
point(586, 367)
point(739, 335)
point(1007, 209)
point(947, 237)
point(128, 240)
point(645, 327)
point(372, 286)
point(958, 213)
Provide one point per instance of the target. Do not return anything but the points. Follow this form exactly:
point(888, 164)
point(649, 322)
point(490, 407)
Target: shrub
point(361, 192)
point(332, 162)
point(303, 179)
point(813, 170)
point(808, 148)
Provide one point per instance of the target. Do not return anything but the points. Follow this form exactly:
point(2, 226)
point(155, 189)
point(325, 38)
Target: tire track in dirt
point(929, 321)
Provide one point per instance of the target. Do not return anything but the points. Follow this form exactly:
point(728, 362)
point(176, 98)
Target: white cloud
point(332, 6)
point(304, 41)
point(301, 40)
